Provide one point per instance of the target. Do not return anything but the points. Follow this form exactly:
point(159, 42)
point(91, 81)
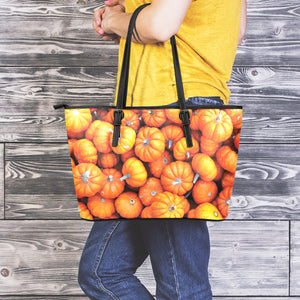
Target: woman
point(207, 34)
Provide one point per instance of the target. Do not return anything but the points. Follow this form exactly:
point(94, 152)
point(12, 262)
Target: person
point(207, 35)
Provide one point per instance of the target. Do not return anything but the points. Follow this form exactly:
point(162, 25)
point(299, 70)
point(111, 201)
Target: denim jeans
point(179, 252)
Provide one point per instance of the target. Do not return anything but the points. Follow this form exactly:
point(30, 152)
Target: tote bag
point(153, 162)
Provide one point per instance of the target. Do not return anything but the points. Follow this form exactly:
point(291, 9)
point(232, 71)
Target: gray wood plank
point(295, 258)
point(270, 98)
point(60, 34)
point(2, 181)
point(247, 258)
point(39, 182)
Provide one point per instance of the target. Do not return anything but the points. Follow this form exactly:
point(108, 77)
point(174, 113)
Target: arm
point(155, 23)
point(243, 22)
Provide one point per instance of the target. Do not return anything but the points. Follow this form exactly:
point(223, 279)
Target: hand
point(102, 16)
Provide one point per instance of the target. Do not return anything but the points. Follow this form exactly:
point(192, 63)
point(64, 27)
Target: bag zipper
point(66, 106)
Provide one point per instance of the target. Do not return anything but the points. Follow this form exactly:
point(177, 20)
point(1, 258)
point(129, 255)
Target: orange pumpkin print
point(85, 151)
point(150, 144)
point(204, 167)
point(172, 134)
point(77, 120)
point(101, 207)
point(149, 190)
point(102, 136)
point(108, 160)
point(128, 205)
point(134, 172)
point(154, 118)
point(126, 140)
point(223, 200)
point(151, 173)
point(215, 124)
point(112, 185)
point(204, 191)
point(168, 205)
point(227, 158)
point(158, 165)
point(88, 179)
point(182, 152)
point(177, 177)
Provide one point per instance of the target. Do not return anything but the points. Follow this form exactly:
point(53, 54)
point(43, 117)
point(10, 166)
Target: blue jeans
point(179, 252)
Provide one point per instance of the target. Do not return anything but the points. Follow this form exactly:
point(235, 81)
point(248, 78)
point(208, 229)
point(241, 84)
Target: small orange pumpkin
point(149, 190)
point(130, 119)
point(220, 170)
point(88, 179)
point(236, 117)
point(77, 120)
point(208, 146)
point(168, 205)
point(85, 152)
point(126, 140)
point(204, 166)
point(134, 172)
point(186, 204)
point(227, 158)
point(102, 136)
point(71, 143)
point(84, 212)
point(173, 115)
point(150, 144)
point(191, 213)
point(128, 205)
point(227, 179)
point(196, 134)
point(146, 213)
point(108, 160)
point(215, 124)
point(102, 114)
point(223, 200)
point(207, 211)
point(236, 141)
point(182, 152)
point(154, 118)
point(128, 154)
point(112, 186)
point(89, 134)
point(101, 207)
point(204, 191)
point(177, 177)
point(172, 134)
point(157, 166)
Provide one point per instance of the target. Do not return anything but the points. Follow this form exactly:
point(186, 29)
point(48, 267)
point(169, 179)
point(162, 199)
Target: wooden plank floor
point(53, 56)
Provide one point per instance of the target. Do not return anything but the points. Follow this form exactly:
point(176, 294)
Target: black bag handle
point(118, 114)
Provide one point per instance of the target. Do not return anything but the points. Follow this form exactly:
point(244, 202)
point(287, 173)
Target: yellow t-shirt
point(206, 44)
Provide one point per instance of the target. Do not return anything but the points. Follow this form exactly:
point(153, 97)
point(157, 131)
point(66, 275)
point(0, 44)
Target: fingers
point(115, 2)
point(98, 15)
point(98, 29)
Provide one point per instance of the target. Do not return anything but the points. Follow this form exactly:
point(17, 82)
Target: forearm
point(119, 25)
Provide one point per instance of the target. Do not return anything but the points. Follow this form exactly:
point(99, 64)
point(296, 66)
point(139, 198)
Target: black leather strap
point(123, 85)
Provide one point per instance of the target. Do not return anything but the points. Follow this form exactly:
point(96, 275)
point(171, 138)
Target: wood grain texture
point(269, 96)
point(60, 34)
point(39, 182)
point(295, 258)
point(2, 205)
point(41, 257)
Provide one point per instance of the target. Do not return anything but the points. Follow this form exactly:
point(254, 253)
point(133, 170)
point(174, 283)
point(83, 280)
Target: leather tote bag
point(153, 162)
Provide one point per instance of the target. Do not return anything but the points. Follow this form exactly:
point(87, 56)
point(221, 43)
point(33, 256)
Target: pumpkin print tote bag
point(153, 162)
